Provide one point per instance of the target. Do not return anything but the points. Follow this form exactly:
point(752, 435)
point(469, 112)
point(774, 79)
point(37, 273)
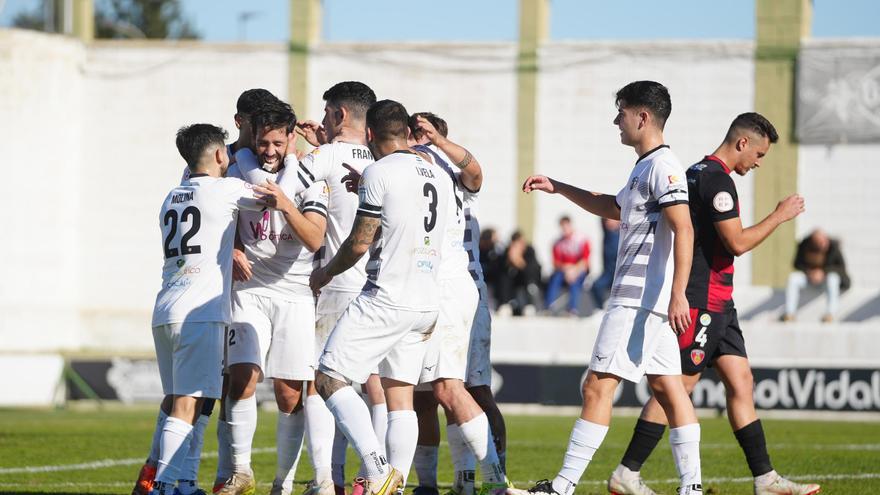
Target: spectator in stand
point(492, 261)
point(518, 289)
point(818, 263)
point(610, 239)
point(571, 264)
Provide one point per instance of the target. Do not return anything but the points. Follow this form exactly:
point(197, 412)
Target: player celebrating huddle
point(401, 221)
point(343, 131)
point(714, 337)
point(446, 361)
point(193, 306)
point(272, 332)
point(654, 260)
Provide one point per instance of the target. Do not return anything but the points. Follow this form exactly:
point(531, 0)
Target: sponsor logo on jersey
point(697, 356)
point(424, 252)
point(705, 319)
point(427, 241)
point(261, 231)
point(673, 179)
point(425, 266)
point(723, 202)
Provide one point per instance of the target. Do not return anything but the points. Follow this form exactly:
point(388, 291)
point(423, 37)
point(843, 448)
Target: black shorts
point(709, 336)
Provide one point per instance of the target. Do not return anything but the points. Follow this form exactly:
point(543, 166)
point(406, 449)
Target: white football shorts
point(277, 335)
point(634, 342)
point(479, 367)
point(447, 353)
point(368, 335)
point(190, 357)
point(331, 305)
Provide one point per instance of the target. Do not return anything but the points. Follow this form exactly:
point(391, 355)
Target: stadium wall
point(97, 121)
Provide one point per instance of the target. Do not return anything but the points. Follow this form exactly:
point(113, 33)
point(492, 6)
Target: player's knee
point(327, 385)
point(593, 393)
point(243, 380)
point(445, 392)
point(742, 386)
point(287, 395)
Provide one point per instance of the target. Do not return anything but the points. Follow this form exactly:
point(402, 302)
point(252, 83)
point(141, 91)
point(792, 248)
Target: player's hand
point(679, 314)
point(428, 130)
point(269, 194)
point(352, 179)
point(241, 267)
point(318, 279)
point(312, 131)
point(539, 183)
point(791, 207)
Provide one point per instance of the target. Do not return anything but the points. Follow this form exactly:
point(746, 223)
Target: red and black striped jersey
point(712, 198)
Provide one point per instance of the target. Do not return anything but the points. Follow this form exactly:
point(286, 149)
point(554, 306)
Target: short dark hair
point(193, 140)
point(388, 119)
point(274, 117)
point(252, 100)
point(650, 95)
point(435, 121)
point(565, 218)
point(355, 96)
point(755, 122)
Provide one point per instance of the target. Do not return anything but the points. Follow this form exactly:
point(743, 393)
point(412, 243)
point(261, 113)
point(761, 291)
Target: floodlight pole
point(83, 19)
point(533, 29)
point(781, 25)
point(305, 30)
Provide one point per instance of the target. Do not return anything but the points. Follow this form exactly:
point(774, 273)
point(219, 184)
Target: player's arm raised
point(471, 172)
point(739, 241)
point(600, 204)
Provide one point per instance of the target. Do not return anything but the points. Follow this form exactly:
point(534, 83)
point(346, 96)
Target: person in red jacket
point(571, 264)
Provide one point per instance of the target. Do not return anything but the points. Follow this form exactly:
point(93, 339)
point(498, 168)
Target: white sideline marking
point(104, 463)
point(802, 477)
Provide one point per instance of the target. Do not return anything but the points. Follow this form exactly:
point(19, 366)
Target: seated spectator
point(491, 260)
point(818, 263)
point(610, 239)
point(571, 264)
point(518, 289)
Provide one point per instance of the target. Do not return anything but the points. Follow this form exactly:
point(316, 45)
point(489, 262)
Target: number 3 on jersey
point(190, 215)
point(431, 218)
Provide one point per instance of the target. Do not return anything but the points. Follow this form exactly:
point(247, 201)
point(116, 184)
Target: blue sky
point(497, 20)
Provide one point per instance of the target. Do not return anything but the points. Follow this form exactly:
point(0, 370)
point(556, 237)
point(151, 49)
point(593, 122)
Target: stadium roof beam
point(305, 30)
point(781, 25)
point(534, 18)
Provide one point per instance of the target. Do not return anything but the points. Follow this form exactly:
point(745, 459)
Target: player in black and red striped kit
point(714, 337)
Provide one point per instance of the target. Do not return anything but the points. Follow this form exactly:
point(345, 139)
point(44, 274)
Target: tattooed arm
point(365, 230)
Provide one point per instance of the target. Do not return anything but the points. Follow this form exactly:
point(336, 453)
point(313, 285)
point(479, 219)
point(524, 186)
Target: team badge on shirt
point(722, 202)
point(705, 319)
point(697, 356)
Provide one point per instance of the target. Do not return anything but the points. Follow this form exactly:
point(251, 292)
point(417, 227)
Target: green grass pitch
point(100, 451)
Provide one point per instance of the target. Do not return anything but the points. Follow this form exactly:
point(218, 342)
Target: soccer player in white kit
point(401, 221)
point(272, 331)
point(344, 150)
point(653, 266)
point(193, 307)
point(446, 361)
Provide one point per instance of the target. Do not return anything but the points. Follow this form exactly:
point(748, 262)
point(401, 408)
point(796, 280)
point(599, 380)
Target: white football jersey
point(410, 196)
point(343, 206)
point(643, 274)
point(197, 221)
point(472, 241)
point(325, 163)
point(280, 263)
point(453, 257)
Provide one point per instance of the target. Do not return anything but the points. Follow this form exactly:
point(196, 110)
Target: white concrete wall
point(89, 149)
